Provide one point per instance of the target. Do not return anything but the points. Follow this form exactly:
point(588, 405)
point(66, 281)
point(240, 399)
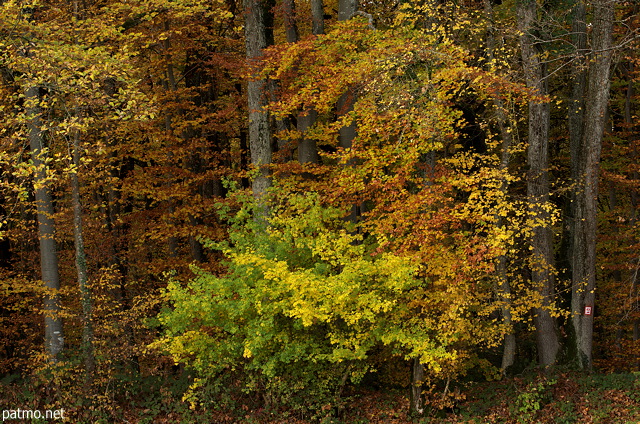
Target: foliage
point(412, 242)
point(300, 310)
point(532, 399)
point(307, 300)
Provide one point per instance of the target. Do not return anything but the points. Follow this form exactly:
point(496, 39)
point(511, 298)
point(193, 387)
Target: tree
point(542, 273)
point(504, 286)
point(323, 290)
point(54, 335)
point(307, 148)
point(586, 160)
point(257, 95)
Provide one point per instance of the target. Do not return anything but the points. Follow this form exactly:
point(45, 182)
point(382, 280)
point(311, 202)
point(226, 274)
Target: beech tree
point(257, 95)
point(54, 334)
point(131, 132)
point(542, 273)
point(585, 160)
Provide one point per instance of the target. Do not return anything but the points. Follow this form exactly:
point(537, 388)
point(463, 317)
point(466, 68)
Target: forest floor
point(562, 398)
point(556, 398)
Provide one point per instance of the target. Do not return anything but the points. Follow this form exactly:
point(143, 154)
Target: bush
point(305, 302)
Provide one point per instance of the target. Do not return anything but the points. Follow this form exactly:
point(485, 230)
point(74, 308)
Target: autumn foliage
point(397, 252)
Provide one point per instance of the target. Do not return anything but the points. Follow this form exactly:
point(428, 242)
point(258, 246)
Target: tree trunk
point(259, 131)
point(587, 161)
point(54, 335)
point(346, 10)
point(170, 84)
point(633, 140)
point(576, 106)
point(575, 122)
point(416, 407)
point(538, 187)
point(290, 25)
point(307, 148)
point(317, 15)
point(81, 264)
point(504, 288)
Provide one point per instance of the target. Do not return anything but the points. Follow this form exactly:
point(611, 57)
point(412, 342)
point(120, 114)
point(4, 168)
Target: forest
point(331, 211)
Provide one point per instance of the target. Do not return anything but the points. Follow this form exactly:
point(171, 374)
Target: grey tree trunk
point(307, 148)
point(416, 407)
point(576, 124)
point(576, 106)
point(586, 160)
point(257, 93)
point(346, 9)
point(538, 186)
point(317, 15)
point(504, 288)
point(81, 264)
point(54, 335)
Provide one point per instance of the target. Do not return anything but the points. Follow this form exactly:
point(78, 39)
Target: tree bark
point(170, 84)
point(587, 162)
point(416, 407)
point(81, 264)
point(633, 142)
point(346, 9)
point(538, 186)
point(290, 25)
point(575, 121)
point(307, 147)
point(579, 77)
point(317, 16)
point(257, 94)
point(54, 335)
point(504, 288)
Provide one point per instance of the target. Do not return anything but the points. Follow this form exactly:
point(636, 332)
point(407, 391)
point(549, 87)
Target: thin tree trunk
point(416, 407)
point(504, 288)
point(81, 264)
point(538, 187)
point(120, 232)
point(170, 84)
point(633, 140)
point(509, 350)
point(54, 335)
point(579, 77)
